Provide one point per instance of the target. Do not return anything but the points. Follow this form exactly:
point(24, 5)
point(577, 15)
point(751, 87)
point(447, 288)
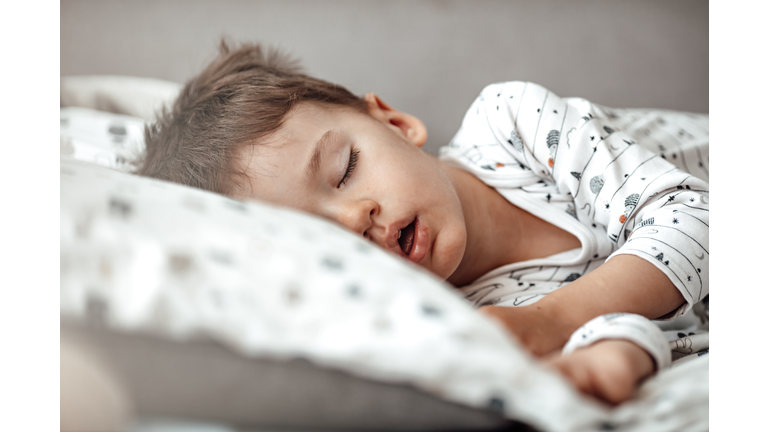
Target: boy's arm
point(655, 214)
point(609, 179)
point(624, 283)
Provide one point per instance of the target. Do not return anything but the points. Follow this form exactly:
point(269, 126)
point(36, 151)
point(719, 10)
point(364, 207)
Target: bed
point(200, 312)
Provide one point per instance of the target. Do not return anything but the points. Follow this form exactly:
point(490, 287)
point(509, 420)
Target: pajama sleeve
point(630, 327)
point(650, 208)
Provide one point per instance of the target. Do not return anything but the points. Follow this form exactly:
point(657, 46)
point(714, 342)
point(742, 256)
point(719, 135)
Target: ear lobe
point(409, 126)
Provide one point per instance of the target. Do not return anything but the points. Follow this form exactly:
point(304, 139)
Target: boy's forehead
point(267, 171)
point(306, 128)
point(280, 158)
point(285, 155)
point(303, 126)
point(297, 130)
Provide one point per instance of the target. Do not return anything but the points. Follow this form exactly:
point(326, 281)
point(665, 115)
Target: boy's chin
point(444, 265)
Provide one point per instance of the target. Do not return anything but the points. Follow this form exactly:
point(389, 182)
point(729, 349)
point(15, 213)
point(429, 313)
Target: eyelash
point(350, 167)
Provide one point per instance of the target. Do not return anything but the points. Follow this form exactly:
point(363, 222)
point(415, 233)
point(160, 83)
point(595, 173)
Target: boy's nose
point(358, 216)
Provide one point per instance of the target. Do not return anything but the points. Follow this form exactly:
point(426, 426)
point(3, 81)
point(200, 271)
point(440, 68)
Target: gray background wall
point(428, 58)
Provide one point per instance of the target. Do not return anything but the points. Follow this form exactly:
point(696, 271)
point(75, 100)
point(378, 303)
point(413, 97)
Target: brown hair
point(242, 96)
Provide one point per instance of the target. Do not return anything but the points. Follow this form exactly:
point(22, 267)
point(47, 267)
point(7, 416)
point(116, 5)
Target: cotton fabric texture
point(623, 181)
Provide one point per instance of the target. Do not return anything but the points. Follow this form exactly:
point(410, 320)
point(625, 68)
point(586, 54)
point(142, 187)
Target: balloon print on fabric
point(629, 206)
point(553, 140)
point(596, 184)
point(516, 141)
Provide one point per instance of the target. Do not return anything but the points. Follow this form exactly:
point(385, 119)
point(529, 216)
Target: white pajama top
point(623, 181)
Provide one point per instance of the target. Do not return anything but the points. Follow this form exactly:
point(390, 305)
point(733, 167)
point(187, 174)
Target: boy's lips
point(420, 242)
point(409, 239)
point(406, 236)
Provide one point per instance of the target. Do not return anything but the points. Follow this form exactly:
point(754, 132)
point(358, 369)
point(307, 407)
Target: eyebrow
point(321, 145)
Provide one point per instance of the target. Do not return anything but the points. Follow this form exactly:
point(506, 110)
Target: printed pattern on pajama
point(623, 181)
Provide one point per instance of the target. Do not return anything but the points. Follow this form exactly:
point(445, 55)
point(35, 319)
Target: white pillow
point(205, 305)
point(127, 95)
point(269, 283)
point(106, 139)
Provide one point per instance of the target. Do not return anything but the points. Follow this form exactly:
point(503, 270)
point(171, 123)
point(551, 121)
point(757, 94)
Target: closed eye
point(353, 154)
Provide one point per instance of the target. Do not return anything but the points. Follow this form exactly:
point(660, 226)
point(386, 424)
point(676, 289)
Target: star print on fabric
point(554, 111)
point(671, 198)
point(675, 221)
point(592, 138)
point(549, 197)
point(692, 199)
point(538, 110)
point(607, 205)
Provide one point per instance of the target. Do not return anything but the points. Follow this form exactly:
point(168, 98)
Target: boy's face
point(366, 172)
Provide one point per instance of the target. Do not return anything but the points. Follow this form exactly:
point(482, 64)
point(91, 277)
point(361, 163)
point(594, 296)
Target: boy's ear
point(411, 127)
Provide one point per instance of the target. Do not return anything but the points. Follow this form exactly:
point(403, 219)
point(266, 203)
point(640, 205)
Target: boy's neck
point(498, 232)
point(489, 238)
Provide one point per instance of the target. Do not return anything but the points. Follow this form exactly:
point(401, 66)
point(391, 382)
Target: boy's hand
point(609, 370)
point(538, 329)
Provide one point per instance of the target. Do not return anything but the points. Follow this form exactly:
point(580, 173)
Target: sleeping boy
point(572, 224)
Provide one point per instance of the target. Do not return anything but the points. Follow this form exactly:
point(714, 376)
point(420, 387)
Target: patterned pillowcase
point(139, 97)
point(142, 256)
point(107, 139)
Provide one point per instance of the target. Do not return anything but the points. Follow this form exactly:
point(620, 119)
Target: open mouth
point(407, 235)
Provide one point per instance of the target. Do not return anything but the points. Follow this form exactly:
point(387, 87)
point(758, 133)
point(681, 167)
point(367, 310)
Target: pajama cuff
point(631, 327)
